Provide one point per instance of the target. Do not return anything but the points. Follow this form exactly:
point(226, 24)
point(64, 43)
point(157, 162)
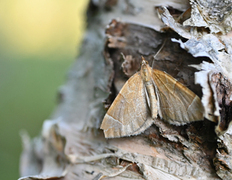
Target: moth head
point(144, 66)
point(144, 62)
point(144, 70)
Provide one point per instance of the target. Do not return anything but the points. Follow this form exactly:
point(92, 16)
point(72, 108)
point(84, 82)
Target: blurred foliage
point(38, 42)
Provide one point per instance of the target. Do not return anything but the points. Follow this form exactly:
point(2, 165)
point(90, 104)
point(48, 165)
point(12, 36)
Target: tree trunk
point(189, 41)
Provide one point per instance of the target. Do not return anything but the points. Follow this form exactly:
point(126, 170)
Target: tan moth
point(145, 95)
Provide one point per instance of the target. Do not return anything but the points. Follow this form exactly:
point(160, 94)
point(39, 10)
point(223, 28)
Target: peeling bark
point(192, 43)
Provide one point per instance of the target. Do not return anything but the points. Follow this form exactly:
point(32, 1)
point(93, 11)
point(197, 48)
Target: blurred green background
point(38, 43)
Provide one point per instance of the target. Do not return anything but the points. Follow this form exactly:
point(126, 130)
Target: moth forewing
point(129, 113)
point(177, 104)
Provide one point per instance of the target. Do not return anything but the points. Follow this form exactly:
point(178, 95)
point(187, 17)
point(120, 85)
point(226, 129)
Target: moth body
point(149, 88)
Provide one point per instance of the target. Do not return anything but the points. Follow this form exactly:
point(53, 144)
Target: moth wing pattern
point(129, 114)
point(177, 104)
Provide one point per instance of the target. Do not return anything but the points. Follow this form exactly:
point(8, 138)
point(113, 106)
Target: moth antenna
point(158, 52)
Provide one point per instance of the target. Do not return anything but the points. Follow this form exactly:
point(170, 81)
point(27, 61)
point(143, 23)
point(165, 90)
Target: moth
point(146, 95)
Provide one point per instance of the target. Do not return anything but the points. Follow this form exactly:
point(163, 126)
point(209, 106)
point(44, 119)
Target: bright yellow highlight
point(31, 27)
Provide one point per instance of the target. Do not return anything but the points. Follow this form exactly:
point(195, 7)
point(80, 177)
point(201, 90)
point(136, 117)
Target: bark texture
point(191, 41)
